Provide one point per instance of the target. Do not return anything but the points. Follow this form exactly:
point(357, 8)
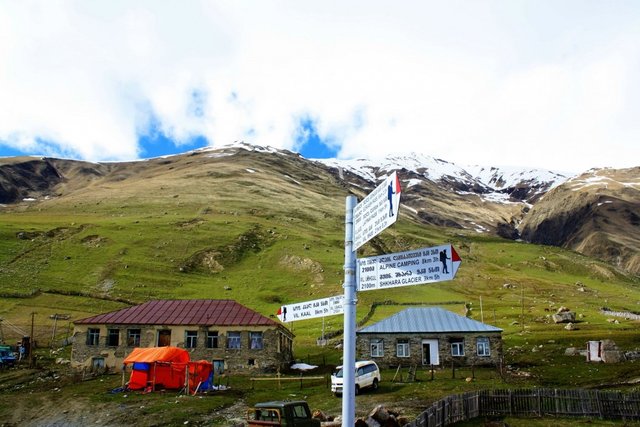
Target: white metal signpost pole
point(363, 221)
point(349, 344)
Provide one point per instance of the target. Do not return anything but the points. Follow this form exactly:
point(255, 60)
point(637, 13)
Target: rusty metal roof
point(202, 312)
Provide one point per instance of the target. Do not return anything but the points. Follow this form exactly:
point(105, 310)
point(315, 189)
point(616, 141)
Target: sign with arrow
point(415, 267)
point(311, 309)
point(377, 211)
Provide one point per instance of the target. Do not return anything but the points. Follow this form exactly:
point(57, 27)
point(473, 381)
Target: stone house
point(429, 336)
point(224, 332)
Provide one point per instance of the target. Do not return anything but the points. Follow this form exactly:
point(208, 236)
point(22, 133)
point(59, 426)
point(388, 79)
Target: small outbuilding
point(604, 351)
point(428, 336)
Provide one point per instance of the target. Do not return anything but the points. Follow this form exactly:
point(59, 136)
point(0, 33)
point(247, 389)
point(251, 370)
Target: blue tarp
point(140, 366)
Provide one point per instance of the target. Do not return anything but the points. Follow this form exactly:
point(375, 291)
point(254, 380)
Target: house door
point(595, 351)
point(430, 354)
point(218, 367)
point(164, 338)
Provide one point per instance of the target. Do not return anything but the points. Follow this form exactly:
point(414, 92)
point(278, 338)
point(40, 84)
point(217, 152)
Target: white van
point(367, 375)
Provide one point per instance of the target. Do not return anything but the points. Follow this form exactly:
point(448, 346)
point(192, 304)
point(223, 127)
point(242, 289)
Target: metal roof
point(427, 319)
point(203, 312)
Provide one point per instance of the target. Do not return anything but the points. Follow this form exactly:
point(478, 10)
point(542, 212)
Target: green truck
point(282, 413)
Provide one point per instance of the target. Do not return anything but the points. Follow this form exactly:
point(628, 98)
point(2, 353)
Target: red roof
point(202, 312)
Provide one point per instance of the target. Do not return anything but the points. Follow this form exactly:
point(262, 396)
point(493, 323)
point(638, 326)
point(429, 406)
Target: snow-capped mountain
point(495, 183)
point(593, 213)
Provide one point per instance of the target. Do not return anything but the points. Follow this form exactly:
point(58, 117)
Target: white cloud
point(498, 82)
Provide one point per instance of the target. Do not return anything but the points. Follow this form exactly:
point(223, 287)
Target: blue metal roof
point(427, 319)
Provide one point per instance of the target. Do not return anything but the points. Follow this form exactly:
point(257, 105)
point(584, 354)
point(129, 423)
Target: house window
point(133, 337)
point(255, 340)
point(97, 364)
point(212, 339)
point(93, 336)
point(402, 348)
point(482, 345)
point(233, 340)
point(377, 347)
point(164, 337)
point(191, 339)
point(113, 337)
point(457, 346)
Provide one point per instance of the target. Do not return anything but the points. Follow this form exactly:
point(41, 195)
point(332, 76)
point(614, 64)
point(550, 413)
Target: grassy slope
point(280, 240)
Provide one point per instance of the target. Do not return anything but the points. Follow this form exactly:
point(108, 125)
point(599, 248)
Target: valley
point(266, 227)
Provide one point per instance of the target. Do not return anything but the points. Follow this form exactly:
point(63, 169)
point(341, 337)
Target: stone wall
point(276, 352)
point(390, 358)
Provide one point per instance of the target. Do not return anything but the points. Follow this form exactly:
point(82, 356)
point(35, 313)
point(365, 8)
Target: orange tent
point(165, 367)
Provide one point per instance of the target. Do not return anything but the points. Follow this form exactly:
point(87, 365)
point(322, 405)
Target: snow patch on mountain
point(510, 176)
point(420, 164)
point(600, 178)
point(492, 183)
point(502, 184)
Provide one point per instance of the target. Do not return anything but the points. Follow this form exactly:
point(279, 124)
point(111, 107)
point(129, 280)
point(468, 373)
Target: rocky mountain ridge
point(494, 183)
point(537, 205)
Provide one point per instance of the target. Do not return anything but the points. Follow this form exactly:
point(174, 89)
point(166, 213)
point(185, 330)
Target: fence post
point(432, 372)
point(599, 405)
point(539, 402)
point(510, 403)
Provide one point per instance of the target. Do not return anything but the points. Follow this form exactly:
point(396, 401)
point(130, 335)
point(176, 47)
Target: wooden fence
point(538, 402)
point(280, 379)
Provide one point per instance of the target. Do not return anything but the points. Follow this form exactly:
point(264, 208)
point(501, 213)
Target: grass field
point(265, 243)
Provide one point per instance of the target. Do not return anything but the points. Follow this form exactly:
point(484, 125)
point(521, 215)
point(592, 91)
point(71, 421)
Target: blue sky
point(527, 83)
point(155, 144)
point(311, 147)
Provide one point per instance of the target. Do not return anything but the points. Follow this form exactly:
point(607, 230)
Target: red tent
point(165, 367)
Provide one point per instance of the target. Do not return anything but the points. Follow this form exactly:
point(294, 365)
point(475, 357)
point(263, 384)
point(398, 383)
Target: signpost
point(415, 267)
point(377, 211)
point(311, 309)
point(364, 221)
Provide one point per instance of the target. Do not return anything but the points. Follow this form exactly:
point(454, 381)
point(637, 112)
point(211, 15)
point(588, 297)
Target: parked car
point(7, 357)
point(281, 413)
point(367, 375)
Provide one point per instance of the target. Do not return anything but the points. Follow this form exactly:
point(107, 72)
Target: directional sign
point(426, 265)
point(377, 211)
point(310, 309)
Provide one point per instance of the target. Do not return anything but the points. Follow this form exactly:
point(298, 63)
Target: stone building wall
point(415, 357)
point(276, 352)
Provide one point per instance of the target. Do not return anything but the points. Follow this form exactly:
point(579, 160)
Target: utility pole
point(31, 344)
point(522, 307)
point(53, 334)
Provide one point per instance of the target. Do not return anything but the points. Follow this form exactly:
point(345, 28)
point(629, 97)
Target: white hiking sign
point(377, 211)
point(415, 267)
point(311, 309)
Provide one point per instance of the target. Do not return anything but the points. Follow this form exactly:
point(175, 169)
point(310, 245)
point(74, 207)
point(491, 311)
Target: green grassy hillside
point(266, 230)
